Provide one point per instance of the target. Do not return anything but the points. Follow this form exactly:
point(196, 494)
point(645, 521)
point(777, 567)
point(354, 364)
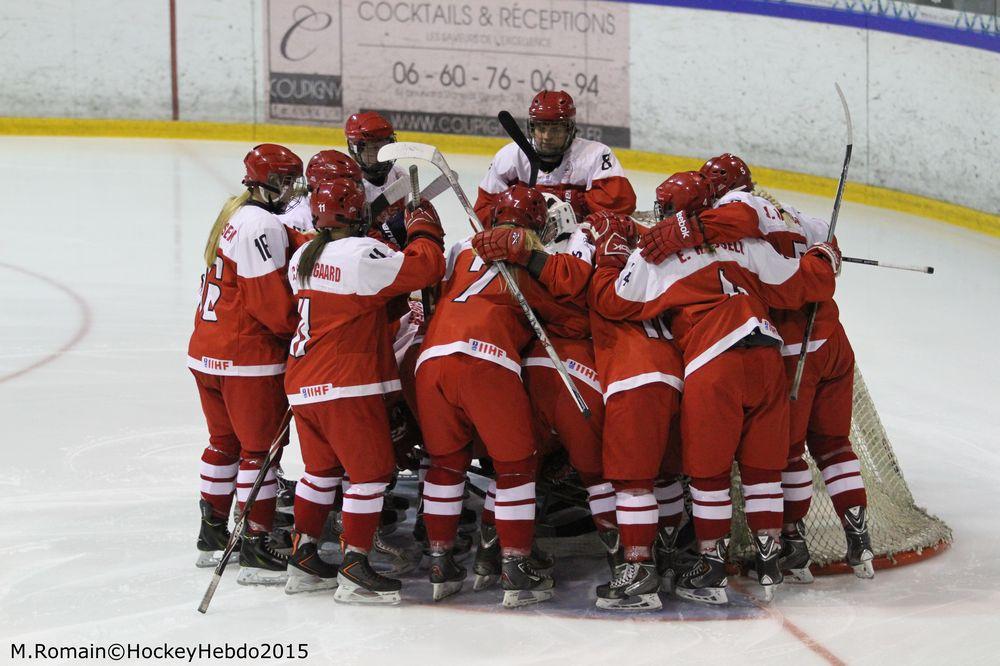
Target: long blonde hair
point(785, 215)
point(533, 242)
point(228, 210)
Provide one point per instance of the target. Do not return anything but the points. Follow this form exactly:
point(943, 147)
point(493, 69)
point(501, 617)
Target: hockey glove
point(503, 244)
point(672, 234)
point(829, 252)
point(423, 222)
point(614, 237)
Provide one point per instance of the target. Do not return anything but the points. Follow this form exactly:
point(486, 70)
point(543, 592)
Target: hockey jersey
point(246, 313)
point(477, 316)
point(790, 235)
point(298, 215)
point(717, 296)
point(587, 166)
point(343, 345)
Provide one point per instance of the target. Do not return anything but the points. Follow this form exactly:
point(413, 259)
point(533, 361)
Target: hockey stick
point(241, 520)
point(513, 130)
point(885, 264)
point(829, 239)
point(423, 151)
point(425, 293)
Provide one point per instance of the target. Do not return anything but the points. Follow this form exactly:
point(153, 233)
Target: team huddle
point(344, 303)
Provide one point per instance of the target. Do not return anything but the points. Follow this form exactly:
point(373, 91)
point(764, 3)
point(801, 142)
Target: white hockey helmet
point(561, 219)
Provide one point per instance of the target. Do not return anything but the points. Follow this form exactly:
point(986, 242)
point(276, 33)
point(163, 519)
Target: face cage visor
point(553, 143)
point(365, 153)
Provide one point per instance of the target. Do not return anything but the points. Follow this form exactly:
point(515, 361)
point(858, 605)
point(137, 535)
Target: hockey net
point(901, 531)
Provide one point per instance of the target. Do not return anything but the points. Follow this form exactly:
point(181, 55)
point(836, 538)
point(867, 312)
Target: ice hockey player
point(325, 165)
point(564, 267)
point(468, 382)
point(245, 318)
point(821, 416)
point(735, 394)
point(340, 366)
point(584, 173)
point(641, 371)
point(366, 133)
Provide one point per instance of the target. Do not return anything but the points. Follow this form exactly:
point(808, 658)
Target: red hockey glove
point(614, 237)
point(829, 252)
point(503, 244)
point(672, 234)
point(423, 222)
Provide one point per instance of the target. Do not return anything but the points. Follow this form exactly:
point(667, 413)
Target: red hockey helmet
point(367, 132)
point(337, 203)
point(727, 173)
point(687, 191)
point(271, 166)
point(330, 165)
point(521, 206)
point(551, 113)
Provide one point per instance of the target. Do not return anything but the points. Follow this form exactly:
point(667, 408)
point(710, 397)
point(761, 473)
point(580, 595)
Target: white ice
point(102, 435)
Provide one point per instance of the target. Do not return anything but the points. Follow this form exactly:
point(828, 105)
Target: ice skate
point(286, 491)
point(860, 555)
point(665, 554)
point(360, 584)
point(459, 550)
point(794, 559)
point(766, 564)
point(400, 561)
point(446, 576)
point(633, 587)
point(213, 537)
point(523, 585)
point(306, 571)
point(468, 521)
point(541, 561)
point(260, 563)
point(487, 563)
point(706, 580)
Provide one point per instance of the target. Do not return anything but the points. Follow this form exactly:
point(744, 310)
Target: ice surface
point(102, 239)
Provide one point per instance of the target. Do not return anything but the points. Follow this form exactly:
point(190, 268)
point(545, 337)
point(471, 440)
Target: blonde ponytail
point(764, 194)
point(228, 209)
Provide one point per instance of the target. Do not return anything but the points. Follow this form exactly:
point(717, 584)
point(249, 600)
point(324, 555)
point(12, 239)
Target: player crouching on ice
point(735, 404)
point(340, 366)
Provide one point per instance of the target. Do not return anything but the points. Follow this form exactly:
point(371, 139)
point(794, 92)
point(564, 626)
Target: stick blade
point(406, 150)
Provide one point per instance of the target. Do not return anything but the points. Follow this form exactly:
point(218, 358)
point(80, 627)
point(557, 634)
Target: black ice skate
point(633, 587)
point(213, 537)
point(286, 491)
point(400, 561)
point(487, 563)
point(446, 576)
point(522, 585)
point(306, 571)
point(612, 541)
point(666, 556)
point(706, 580)
point(260, 563)
point(360, 584)
point(541, 561)
point(766, 564)
point(794, 559)
point(859, 545)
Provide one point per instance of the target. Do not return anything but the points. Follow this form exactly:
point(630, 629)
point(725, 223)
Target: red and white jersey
point(631, 354)
point(343, 346)
point(246, 313)
point(587, 166)
point(790, 237)
point(477, 316)
point(717, 297)
point(298, 215)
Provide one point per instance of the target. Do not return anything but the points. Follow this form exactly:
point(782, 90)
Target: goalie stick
point(241, 520)
point(513, 130)
point(423, 151)
point(829, 239)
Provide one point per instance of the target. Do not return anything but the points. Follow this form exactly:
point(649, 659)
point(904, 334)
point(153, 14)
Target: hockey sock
point(444, 487)
point(314, 497)
point(797, 489)
point(763, 501)
point(601, 500)
point(712, 507)
point(362, 510)
point(515, 505)
point(488, 517)
point(218, 480)
point(261, 516)
point(841, 472)
point(637, 515)
point(670, 499)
